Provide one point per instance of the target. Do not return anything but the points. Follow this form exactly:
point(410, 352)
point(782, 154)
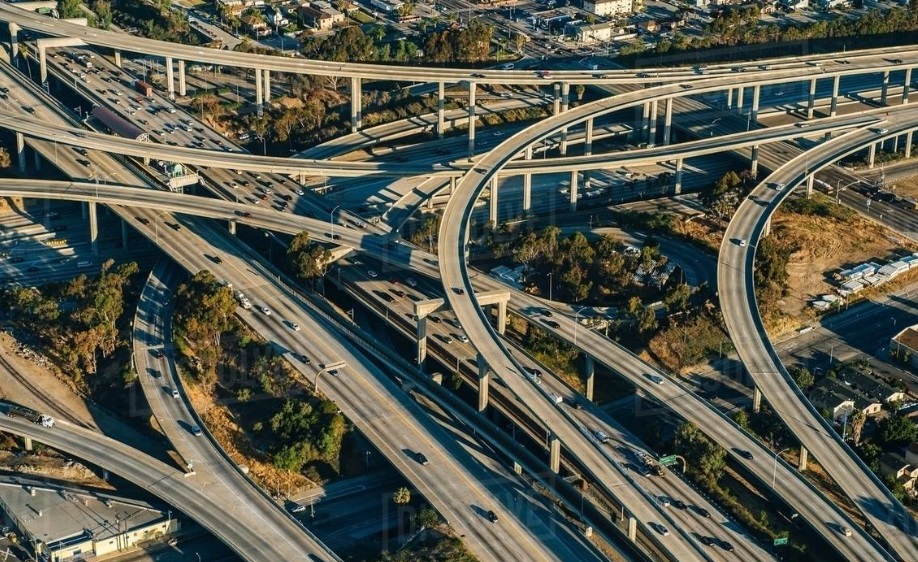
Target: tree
point(305, 259)
point(5, 160)
point(402, 496)
point(897, 430)
point(857, 426)
point(802, 376)
point(70, 9)
point(677, 297)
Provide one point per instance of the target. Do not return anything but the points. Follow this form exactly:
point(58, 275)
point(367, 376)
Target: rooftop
point(908, 337)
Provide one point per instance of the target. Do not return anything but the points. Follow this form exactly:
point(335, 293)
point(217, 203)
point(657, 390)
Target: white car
point(295, 326)
point(601, 436)
point(779, 186)
point(664, 501)
point(742, 242)
point(412, 282)
point(371, 273)
point(656, 379)
point(266, 311)
point(463, 338)
point(882, 131)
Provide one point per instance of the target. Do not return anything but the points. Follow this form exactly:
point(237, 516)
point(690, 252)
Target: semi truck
point(16, 411)
point(143, 88)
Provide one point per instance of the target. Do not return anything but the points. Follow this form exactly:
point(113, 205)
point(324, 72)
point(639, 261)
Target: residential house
point(904, 346)
point(894, 464)
point(842, 399)
point(320, 15)
point(256, 25)
point(275, 18)
point(231, 7)
point(838, 406)
point(601, 33)
point(869, 385)
point(911, 453)
point(648, 26)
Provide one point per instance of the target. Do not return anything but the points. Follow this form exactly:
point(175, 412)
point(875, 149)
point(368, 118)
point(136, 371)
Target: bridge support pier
point(484, 378)
point(267, 85)
point(652, 131)
point(645, 122)
point(677, 185)
point(754, 110)
point(37, 160)
point(588, 138)
point(668, 121)
point(124, 234)
point(472, 87)
point(27, 443)
point(811, 99)
point(908, 144)
point(14, 41)
point(20, 151)
point(259, 93)
point(833, 108)
point(804, 459)
point(907, 86)
point(756, 400)
point(589, 375)
point(884, 91)
point(632, 528)
point(574, 190)
point(357, 106)
point(421, 337)
point(754, 164)
point(501, 317)
point(556, 100)
point(170, 78)
point(441, 108)
point(42, 63)
point(527, 185)
point(93, 228)
point(492, 201)
point(452, 185)
point(729, 98)
point(740, 94)
point(871, 155)
point(565, 104)
point(182, 91)
point(118, 58)
point(554, 453)
point(231, 226)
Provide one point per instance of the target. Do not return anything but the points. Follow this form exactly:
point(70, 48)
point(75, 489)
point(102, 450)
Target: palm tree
point(24, 52)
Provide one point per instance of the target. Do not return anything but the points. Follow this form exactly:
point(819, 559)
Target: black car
point(708, 541)
point(726, 546)
point(422, 459)
point(701, 511)
point(546, 312)
point(304, 359)
point(552, 324)
point(142, 220)
point(745, 454)
point(492, 517)
point(679, 504)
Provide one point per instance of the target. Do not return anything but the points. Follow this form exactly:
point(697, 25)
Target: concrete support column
point(908, 144)
point(677, 186)
point(756, 400)
point(588, 138)
point(740, 94)
point(804, 458)
point(93, 228)
point(492, 201)
point(554, 453)
point(884, 91)
point(27, 443)
point(871, 155)
point(124, 234)
point(14, 41)
point(43, 63)
point(632, 528)
point(766, 229)
point(37, 160)
point(652, 131)
point(118, 58)
point(170, 78)
point(501, 317)
point(754, 110)
point(527, 185)
point(754, 164)
point(668, 121)
point(574, 190)
point(589, 375)
point(556, 102)
point(811, 99)
point(232, 227)
point(565, 104)
point(645, 122)
point(357, 106)
point(833, 108)
point(267, 85)
point(421, 338)
point(907, 86)
point(729, 98)
point(259, 92)
point(472, 109)
point(452, 184)
point(484, 377)
point(441, 108)
point(182, 91)
point(20, 151)
point(810, 179)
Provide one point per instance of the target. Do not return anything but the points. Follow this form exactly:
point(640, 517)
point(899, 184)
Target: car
point(679, 504)
point(779, 186)
point(295, 327)
point(492, 517)
point(534, 374)
point(742, 242)
point(662, 529)
point(411, 282)
point(174, 393)
point(421, 458)
point(897, 61)
point(552, 324)
point(372, 274)
point(656, 379)
point(686, 86)
point(573, 403)
point(196, 431)
point(846, 531)
point(701, 511)
point(460, 291)
point(664, 501)
point(463, 338)
point(447, 339)
point(30, 109)
point(297, 508)
point(745, 454)
point(157, 353)
point(601, 436)
point(434, 319)
point(333, 372)
point(265, 310)
point(708, 541)
point(801, 124)
point(477, 75)
point(881, 131)
point(726, 546)
point(142, 220)
point(546, 312)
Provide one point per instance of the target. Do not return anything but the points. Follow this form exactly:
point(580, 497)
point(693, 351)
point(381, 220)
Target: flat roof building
point(69, 523)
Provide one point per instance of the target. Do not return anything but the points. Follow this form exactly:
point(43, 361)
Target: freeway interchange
point(459, 289)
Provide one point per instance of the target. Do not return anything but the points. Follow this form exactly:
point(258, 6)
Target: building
point(838, 406)
point(601, 33)
point(894, 464)
point(76, 524)
point(839, 394)
point(320, 15)
point(870, 386)
point(605, 8)
point(904, 346)
point(911, 453)
point(256, 25)
point(231, 7)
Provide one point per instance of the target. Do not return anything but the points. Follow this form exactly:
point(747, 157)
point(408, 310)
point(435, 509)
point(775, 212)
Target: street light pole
point(331, 219)
point(774, 470)
point(549, 285)
point(576, 321)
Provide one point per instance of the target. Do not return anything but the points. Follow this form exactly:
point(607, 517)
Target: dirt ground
point(827, 245)
point(907, 187)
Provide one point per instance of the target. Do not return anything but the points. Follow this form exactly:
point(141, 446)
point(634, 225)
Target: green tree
point(897, 431)
point(305, 259)
point(857, 426)
point(70, 8)
point(677, 297)
point(802, 376)
point(402, 496)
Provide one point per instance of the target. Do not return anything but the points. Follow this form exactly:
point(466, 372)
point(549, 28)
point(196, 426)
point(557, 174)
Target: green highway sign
point(668, 460)
point(780, 541)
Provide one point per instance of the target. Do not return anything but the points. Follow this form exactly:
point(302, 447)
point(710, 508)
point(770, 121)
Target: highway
point(737, 293)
